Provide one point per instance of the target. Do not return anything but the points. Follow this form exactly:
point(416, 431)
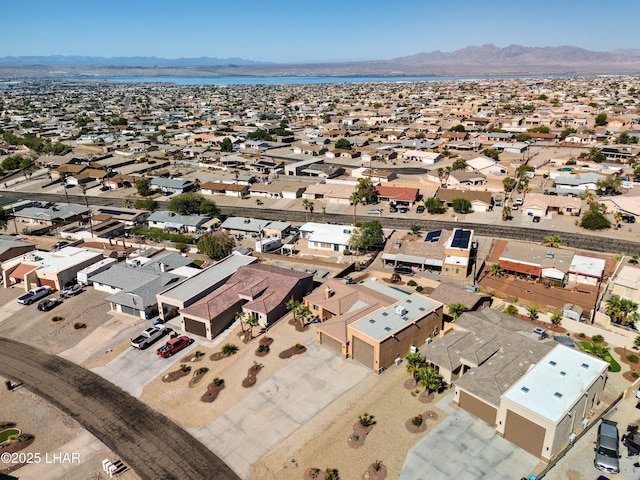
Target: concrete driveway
point(278, 406)
point(133, 369)
point(465, 448)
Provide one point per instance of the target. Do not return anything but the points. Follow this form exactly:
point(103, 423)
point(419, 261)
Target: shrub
point(229, 349)
point(217, 382)
point(597, 339)
point(202, 370)
point(419, 288)
point(417, 420)
point(79, 326)
point(632, 357)
point(263, 348)
point(331, 474)
point(412, 283)
point(199, 354)
point(511, 310)
point(582, 335)
point(185, 368)
point(635, 374)
point(57, 318)
point(299, 346)
point(314, 472)
point(367, 420)
point(346, 252)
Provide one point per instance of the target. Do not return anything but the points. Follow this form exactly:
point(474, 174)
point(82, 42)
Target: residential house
point(133, 286)
point(183, 294)
point(428, 158)
point(12, 247)
point(241, 226)
point(278, 189)
point(578, 183)
point(372, 323)
point(535, 262)
point(228, 189)
point(257, 290)
point(171, 185)
point(486, 166)
point(626, 284)
point(53, 269)
point(480, 201)
point(449, 293)
point(172, 221)
point(537, 204)
point(326, 236)
point(398, 195)
point(459, 178)
point(502, 375)
point(586, 270)
point(339, 193)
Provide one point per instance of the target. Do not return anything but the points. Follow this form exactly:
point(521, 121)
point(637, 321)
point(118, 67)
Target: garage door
point(363, 352)
point(524, 433)
point(193, 326)
point(44, 282)
point(130, 310)
point(478, 408)
point(331, 343)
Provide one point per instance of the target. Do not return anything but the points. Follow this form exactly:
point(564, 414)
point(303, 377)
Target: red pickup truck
point(174, 346)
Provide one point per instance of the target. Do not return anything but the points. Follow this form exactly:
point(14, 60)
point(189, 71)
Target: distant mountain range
point(473, 60)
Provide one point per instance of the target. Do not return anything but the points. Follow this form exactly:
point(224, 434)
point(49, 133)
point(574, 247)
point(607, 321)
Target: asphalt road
point(151, 444)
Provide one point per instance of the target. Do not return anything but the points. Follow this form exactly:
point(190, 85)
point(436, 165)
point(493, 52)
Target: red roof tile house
point(401, 195)
point(256, 289)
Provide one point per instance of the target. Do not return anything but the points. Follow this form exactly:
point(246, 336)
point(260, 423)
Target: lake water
point(301, 80)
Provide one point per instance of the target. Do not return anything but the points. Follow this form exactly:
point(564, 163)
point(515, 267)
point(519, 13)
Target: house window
point(457, 271)
point(316, 308)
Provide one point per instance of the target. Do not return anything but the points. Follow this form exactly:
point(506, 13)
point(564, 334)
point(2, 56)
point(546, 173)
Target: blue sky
point(299, 30)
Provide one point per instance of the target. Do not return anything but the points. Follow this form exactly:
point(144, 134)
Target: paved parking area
point(462, 447)
point(133, 369)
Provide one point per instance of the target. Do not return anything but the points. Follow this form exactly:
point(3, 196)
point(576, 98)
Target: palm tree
point(496, 270)
point(303, 312)
point(292, 305)
point(355, 199)
point(636, 341)
point(506, 213)
point(429, 378)
point(307, 205)
point(618, 216)
point(251, 322)
point(443, 175)
point(533, 312)
point(456, 309)
point(556, 319)
point(311, 210)
point(414, 362)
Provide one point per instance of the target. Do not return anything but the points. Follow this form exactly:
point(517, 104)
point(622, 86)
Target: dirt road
point(151, 444)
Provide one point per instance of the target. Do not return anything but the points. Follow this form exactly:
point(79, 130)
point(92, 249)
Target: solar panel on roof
point(461, 239)
point(433, 236)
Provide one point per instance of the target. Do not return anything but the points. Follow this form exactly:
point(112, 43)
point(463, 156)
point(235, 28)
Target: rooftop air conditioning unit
point(428, 340)
point(400, 310)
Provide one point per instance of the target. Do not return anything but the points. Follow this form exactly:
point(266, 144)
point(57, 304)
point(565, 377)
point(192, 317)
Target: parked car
point(374, 211)
point(420, 209)
point(536, 219)
point(518, 201)
point(514, 207)
point(393, 209)
point(628, 218)
point(607, 456)
point(403, 270)
point(149, 336)
point(59, 245)
point(34, 295)
point(174, 345)
point(48, 304)
point(403, 209)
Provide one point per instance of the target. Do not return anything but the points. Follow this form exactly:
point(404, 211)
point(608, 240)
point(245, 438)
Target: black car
point(59, 245)
point(403, 209)
point(420, 209)
point(403, 270)
point(628, 218)
point(536, 219)
point(48, 303)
